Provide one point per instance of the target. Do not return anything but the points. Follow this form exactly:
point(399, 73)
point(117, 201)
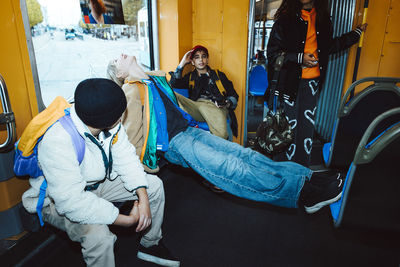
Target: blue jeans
point(240, 171)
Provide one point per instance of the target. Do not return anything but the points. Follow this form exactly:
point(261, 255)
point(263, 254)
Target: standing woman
point(303, 32)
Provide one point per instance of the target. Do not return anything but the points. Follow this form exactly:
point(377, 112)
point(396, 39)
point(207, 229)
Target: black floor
point(206, 229)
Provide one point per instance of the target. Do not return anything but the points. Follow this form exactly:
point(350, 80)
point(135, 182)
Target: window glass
point(72, 42)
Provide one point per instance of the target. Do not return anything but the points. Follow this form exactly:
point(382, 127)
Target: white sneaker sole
point(322, 204)
point(157, 260)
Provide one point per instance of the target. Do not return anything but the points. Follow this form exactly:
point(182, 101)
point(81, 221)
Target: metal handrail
point(366, 154)
point(379, 83)
point(7, 117)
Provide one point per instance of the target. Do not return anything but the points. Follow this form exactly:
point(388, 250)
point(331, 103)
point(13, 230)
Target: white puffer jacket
point(67, 179)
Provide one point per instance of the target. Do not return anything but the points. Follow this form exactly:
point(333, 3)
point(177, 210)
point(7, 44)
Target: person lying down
point(156, 125)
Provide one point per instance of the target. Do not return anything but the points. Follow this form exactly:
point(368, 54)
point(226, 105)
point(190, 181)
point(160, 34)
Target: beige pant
point(96, 240)
point(205, 110)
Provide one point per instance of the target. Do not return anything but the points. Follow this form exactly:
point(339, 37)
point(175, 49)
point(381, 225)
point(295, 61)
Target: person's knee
point(208, 107)
point(156, 188)
point(219, 130)
point(98, 237)
point(219, 133)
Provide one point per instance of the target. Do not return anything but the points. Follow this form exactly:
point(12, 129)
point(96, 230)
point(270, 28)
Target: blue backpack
point(26, 148)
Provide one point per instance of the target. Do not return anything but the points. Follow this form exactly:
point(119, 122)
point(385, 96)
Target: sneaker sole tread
point(157, 260)
point(322, 204)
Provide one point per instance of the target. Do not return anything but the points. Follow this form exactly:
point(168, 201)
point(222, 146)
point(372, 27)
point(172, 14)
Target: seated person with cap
point(211, 95)
point(78, 196)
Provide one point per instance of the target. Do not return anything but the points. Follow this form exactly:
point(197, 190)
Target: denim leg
point(240, 171)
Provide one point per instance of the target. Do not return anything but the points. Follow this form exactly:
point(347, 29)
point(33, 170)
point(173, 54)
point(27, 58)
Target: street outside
point(62, 63)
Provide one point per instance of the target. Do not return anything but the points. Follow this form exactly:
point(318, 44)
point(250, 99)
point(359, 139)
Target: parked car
point(70, 34)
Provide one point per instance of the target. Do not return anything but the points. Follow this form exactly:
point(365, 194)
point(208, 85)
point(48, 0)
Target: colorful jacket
point(147, 132)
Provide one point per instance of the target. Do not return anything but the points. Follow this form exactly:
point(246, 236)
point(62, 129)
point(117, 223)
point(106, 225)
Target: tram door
point(18, 106)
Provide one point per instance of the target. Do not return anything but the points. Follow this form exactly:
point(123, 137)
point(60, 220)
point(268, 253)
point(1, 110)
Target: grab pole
point(360, 43)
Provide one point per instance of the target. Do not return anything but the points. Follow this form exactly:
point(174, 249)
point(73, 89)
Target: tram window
point(69, 47)
point(264, 12)
point(142, 29)
point(259, 32)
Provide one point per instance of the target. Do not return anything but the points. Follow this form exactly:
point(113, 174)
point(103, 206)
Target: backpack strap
point(219, 84)
point(191, 82)
point(274, 82)
point(39, 205)
point(79, 145)
point(77, 139)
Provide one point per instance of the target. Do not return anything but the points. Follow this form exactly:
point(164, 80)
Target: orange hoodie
point(311, 45)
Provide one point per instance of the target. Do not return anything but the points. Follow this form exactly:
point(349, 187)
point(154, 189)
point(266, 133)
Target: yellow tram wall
point(380, 52)
point(219, 25)
point(16, 70)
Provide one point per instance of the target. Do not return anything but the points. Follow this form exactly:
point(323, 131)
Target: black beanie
point(99, 103)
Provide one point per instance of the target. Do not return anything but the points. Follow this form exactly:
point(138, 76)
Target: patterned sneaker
point(323, 195)
point(158, 254)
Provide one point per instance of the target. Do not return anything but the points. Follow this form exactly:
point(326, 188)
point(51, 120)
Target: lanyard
point(107, 161)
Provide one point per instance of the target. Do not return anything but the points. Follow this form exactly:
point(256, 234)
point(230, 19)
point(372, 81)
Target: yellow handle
point(363, 21)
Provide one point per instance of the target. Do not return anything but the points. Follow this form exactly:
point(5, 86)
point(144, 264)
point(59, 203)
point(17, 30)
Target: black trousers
point(301, 116)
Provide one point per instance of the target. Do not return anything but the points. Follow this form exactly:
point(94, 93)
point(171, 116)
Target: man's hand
point(225, 104)
point(309, 60)
point(218, 105)
point(185, 59)
point(363, 27)
point(144, 210)
point(135, 211)
point(131, 219)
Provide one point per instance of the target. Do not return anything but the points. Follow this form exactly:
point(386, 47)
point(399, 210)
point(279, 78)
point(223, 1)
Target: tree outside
point(131, 8)
point(34, 12)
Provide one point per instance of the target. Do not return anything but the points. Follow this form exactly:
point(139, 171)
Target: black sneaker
point(323, 195)
point(158, 254)
point(325, 178)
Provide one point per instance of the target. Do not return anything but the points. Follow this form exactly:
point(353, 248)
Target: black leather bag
point(274, 135)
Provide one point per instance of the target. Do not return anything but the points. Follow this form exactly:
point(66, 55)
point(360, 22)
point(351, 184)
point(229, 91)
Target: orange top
point(311, 45)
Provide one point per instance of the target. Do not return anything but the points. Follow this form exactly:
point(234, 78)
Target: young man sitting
point(78, 196)
point(211, 95)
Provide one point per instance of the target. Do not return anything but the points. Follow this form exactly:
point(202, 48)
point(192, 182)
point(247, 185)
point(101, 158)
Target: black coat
point(194, 93)
point(289, 35)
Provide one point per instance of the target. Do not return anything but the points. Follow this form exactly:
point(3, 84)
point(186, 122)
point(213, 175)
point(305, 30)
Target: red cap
point(198, 48)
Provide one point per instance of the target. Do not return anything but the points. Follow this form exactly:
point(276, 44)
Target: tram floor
point(206, 229)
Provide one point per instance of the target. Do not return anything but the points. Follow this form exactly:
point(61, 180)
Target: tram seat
point(355, 115)
point(258, 83)
point(371, 194)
